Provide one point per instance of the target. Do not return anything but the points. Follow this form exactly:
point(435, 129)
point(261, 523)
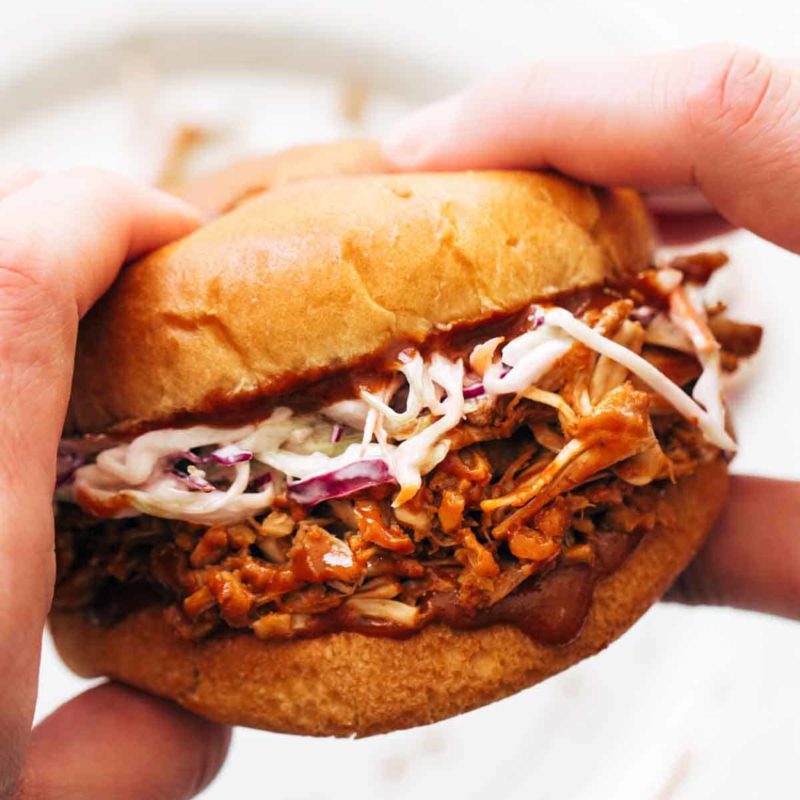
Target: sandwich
point(368, 451)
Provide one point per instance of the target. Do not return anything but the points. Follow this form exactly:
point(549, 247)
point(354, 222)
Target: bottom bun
point(348, 684)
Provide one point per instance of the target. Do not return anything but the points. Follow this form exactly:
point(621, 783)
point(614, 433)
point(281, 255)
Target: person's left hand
point(63, 237)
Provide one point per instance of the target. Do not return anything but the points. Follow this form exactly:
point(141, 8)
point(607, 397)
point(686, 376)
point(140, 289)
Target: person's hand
point(713, 137)
point(63, 238)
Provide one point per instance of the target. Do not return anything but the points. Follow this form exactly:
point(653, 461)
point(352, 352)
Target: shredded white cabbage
point(655, 379)
point(522, 346)
point(351, 413)
point(688, 314)
point(668, 279)
point(165, 496)
point(308, 466)
point(142, 471)
point(369, 431)
point(662, 331)
point(422, 452)
point(412, 442)
point(132, 464)
point(708, 389)
point(387, 610)
point(394, 421)
point(531, 356)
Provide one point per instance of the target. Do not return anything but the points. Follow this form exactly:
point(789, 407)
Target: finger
point(13, 178)
point(682, 200)
point(117, 742)
point(752, 558)
point(62, 240)
point(721, 118)
point(685, 216)
point(74, 229)
point(677, 229)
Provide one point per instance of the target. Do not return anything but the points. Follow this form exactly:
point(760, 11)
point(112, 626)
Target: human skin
point(712, 136)
point(63, 237)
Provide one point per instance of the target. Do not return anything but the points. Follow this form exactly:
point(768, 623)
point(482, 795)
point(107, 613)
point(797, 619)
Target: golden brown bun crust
point(223, 191)
point(347, 683)
point(317, 275)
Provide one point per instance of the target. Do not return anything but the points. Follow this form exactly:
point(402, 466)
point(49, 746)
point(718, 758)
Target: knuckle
point(22, 272)
point(497, 107)
point(728, 90)
point(28, 295)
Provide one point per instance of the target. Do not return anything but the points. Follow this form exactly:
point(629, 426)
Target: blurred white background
point(693, 703)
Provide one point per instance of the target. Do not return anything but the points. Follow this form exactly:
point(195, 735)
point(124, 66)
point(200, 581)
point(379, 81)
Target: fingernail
point(417, 138)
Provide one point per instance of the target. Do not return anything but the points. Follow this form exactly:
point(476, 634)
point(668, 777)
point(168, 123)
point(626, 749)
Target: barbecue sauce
point(551, 608)
point(311, 390)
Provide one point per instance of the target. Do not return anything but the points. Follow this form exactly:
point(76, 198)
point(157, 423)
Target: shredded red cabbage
point(261, 481)
point(340, 482)
point(644, 315)
point(66, 464)
point(536, 318)
point(477, 390)
point(473, 390)
point(336, 434)
point(226, 456)
point(230, 454)
point(194, 480)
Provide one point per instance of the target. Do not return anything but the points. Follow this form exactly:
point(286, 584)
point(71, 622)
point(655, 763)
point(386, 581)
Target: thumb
point(722, 118)
point(115, 742)
point(752, 557)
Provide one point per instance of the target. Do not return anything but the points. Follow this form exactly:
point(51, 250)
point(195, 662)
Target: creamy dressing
point(143, 476)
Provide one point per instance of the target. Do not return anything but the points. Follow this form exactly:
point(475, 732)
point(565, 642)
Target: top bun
point(312, 277)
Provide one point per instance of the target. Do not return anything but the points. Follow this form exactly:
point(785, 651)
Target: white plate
point(115, 104)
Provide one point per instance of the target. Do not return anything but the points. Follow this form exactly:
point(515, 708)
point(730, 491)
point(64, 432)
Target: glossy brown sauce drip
point(551, 610)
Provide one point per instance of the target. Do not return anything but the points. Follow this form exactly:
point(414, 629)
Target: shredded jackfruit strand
point(656, 380)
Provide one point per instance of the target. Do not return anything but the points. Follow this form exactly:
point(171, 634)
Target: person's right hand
point(713, 136)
